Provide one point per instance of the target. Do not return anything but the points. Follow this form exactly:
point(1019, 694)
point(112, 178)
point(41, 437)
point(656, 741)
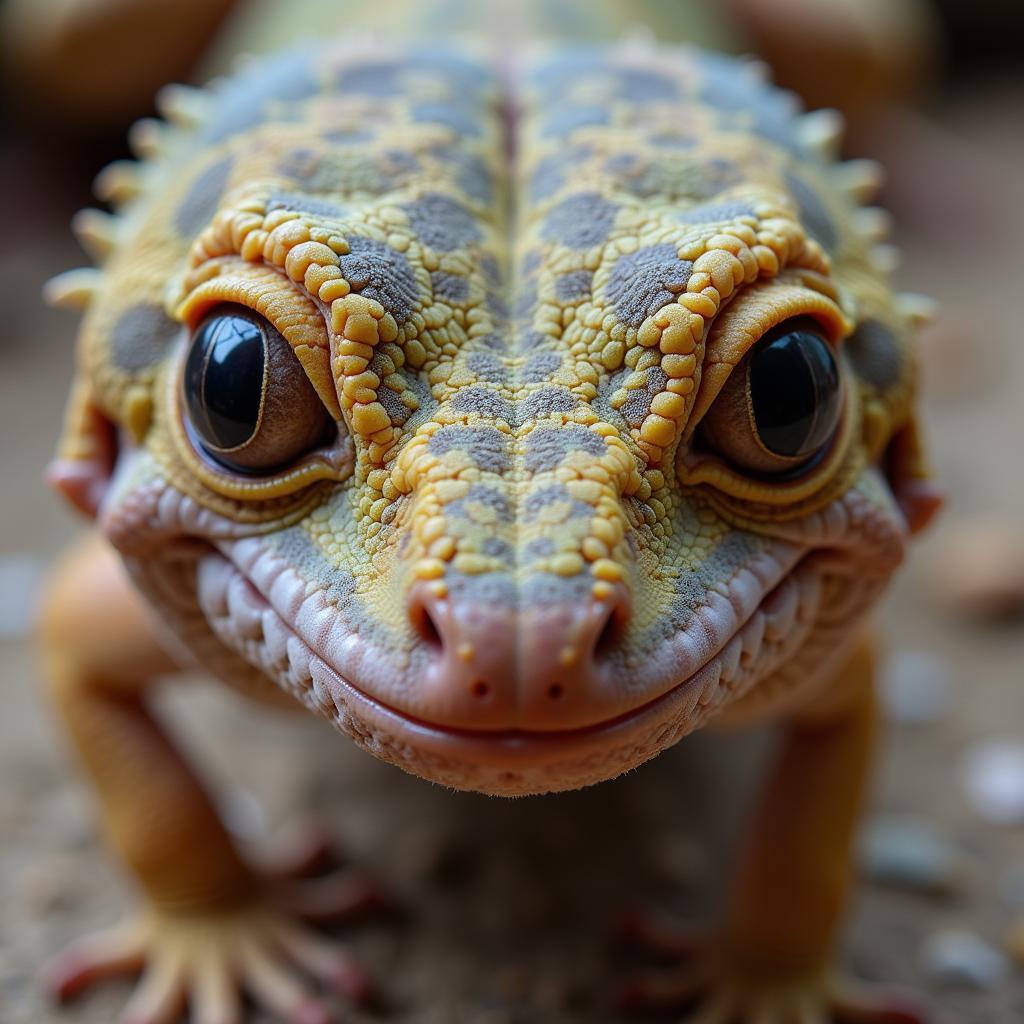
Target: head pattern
point(521, 560)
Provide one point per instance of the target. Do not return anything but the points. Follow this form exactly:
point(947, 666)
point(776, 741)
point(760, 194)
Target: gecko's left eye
point(782, 404)
point(248, 400)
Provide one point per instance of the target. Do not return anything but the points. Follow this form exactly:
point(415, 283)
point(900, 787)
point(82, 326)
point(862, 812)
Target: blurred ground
point(510, 902)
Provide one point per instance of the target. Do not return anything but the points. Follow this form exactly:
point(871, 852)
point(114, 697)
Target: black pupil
point(794, 389)
point(224, 380)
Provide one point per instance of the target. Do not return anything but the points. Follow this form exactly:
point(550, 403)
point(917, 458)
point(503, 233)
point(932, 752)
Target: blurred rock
point(993, 778)
point(681, 861)
point(978, 570)
point(957, 957)
point(20, 579)
point(911, 855)
point(916, 687)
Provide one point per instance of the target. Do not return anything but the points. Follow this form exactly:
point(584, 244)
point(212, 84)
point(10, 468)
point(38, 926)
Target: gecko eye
point(781, 405)
point(249, 402)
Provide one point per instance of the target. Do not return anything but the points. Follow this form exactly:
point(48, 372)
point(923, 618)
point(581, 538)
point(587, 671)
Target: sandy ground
point(509, 904)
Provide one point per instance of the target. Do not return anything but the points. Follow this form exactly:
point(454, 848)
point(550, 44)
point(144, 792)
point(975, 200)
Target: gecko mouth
point(512, 760)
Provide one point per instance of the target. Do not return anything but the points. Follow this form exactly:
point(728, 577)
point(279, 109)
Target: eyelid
point(756, 310)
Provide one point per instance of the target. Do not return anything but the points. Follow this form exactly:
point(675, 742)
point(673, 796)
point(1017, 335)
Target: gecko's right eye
point(250, 404)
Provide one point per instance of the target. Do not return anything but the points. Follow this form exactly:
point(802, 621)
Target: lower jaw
point(518, 763)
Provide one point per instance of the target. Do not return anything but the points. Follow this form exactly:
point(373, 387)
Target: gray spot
point(547, 446)
point(546, 402)
point(769, 111)
point(381, 273)
point(497, 306)
point(565, 120)
point(495, 547)
point(393, 404)
point(491, 270)
point(380, 78)
point(486, 446)
point(348, 136)
point(813, 215)
point(526, 303)
point(494, 341)
point(487, 588)
point(636, 407)
point(487, 366)
point(538, 548)
point(875, 354)
point(546, 590)
point(530, 340)
point(541, 366)
point(642, 282)
point(708, 213)
point(562, 71)
point(638, 85)
point(242, 102)
point(736, 550)
point(621, 163)
point(480, 398)
point(401, 161)
point(442, 223)
point(531, 262)
point(196, 210)
point(665, 141)
point(307, 558)
point(460, 118)
point(305, 204)
point(479, 494)
point(449, 287)
point(461, 73)
point(142, 337)
point(573, 286)
point(555, 494)
point(638, 400)
point(580, 221)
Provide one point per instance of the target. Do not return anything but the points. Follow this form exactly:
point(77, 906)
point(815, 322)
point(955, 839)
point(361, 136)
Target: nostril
point(615, 621)
point(424, 624)
point(556, 691)
point(480, 689)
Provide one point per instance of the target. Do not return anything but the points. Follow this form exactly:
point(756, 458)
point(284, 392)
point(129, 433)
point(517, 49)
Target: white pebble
point(916, 687)
point(960, 958)
point(993, 774)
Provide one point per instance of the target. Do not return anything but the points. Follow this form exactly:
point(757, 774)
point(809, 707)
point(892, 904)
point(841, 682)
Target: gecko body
point(518, 424)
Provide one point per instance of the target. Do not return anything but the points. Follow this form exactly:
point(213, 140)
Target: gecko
point(517, 417)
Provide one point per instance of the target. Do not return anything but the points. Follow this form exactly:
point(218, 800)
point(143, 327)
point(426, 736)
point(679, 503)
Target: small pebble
point(916, 687)
point(21, 578)
point(681, 860)
point(959, 958)
point(993, 776)
point(979, 570)
point(910, 854)
point(243, 814)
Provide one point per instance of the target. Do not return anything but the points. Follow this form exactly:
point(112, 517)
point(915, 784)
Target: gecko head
point(507, 549)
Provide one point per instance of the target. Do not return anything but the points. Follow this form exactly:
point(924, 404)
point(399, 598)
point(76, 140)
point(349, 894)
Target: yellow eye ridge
point(800, 494)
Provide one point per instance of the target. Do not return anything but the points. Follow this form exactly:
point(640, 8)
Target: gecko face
point(516, 518)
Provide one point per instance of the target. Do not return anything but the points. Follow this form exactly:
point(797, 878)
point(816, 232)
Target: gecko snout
point(498, 665)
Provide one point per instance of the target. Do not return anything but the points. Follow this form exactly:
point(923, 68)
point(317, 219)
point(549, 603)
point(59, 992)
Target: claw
point(107, 955)
point(340, 897)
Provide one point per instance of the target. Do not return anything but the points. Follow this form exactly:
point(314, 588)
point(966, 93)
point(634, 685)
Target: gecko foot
point(208, 959)
point(708, 984)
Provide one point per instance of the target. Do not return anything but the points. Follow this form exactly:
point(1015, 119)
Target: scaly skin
point(517, 568)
